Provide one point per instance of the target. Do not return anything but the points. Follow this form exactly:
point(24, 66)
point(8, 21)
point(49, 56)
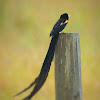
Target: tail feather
point(39, 81)
point(27, 87)
point(38, 85)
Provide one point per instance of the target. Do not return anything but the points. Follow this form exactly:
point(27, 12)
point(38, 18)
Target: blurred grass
point(24, 39)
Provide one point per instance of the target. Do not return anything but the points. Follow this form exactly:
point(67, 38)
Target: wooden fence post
point(68, 67)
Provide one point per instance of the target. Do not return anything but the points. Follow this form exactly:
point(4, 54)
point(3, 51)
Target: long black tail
point(39, 81)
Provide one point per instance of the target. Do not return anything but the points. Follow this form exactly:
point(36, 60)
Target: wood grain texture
point(68, 67)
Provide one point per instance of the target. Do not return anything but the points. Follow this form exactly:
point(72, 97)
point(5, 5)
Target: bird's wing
point(39, 81)
point(58, 28)
point(57, 25)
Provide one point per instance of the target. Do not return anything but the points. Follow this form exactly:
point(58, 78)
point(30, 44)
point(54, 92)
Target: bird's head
point(65, 16)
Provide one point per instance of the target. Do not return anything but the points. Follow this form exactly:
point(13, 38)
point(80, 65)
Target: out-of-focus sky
point(25, 26)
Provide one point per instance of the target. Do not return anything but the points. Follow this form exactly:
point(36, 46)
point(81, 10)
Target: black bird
point(39, 81)
point(60, 24)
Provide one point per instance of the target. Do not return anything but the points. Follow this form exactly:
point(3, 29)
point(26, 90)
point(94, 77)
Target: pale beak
point(68, 15)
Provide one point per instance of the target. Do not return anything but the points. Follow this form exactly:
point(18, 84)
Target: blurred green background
point(25, 26)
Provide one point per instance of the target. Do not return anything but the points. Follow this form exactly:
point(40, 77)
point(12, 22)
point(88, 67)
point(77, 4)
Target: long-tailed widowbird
point(39, 81)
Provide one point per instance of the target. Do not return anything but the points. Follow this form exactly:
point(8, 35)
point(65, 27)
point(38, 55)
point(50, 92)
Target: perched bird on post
point(39, 81)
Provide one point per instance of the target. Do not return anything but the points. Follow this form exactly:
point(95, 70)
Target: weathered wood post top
point(68, 67)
